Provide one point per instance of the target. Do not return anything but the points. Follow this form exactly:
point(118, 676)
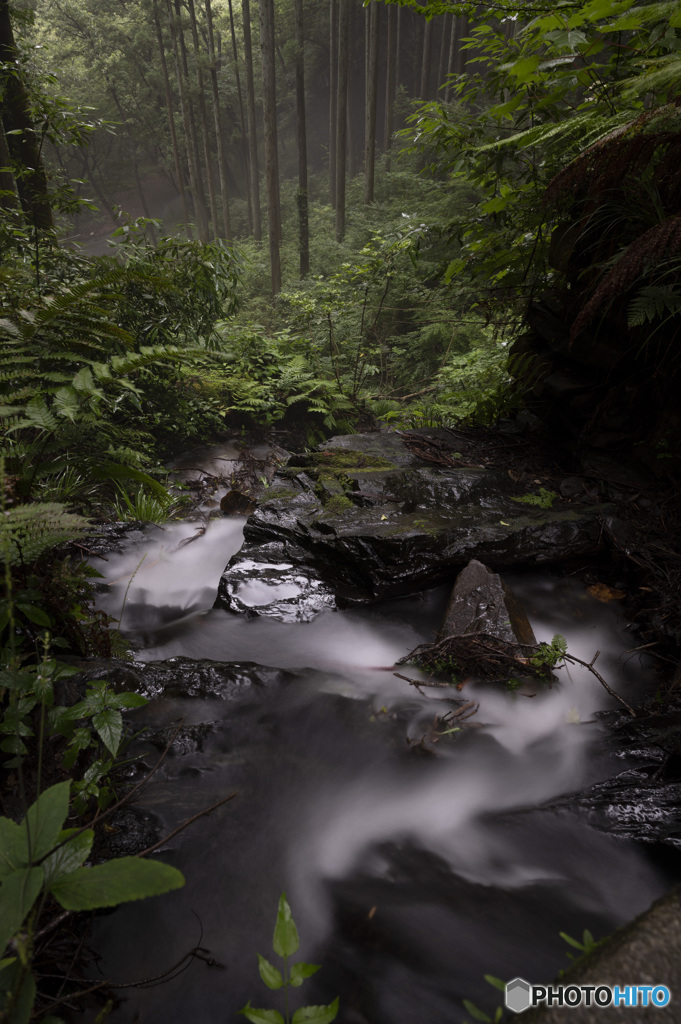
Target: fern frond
point(27, 531)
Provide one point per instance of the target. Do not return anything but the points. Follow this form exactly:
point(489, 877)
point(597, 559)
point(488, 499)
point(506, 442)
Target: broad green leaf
point(67, 403)
point(285, 941)
point(316, 1014)
point(13, 848)
point(299, 972)
point(570, 941)
point(269, 974)
point(117, 881)
point(109, 726)
point(69, 856)
point(34, 614)
point(23, 1000)
point(45, 819)
point(18, 893)
point(261, 1016)
point(127, 700)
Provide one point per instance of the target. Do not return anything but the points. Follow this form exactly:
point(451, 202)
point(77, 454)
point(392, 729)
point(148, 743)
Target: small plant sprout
point(285, 943)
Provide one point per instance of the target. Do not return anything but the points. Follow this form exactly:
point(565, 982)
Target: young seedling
point(285, 943)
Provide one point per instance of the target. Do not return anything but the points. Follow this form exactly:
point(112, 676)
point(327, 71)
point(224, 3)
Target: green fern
point(28, 531)
point(652, 302)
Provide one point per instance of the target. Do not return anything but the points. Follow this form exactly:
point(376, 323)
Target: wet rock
point(234, 503)
point(364, 518)
point(482, 603)
point(646, 952)
point(188, 739)
point(184, 677)
point(130, 831)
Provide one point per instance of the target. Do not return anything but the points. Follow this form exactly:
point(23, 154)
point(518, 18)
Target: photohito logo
point(520, 995)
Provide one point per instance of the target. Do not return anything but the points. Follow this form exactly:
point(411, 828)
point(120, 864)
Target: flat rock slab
point(363, 518)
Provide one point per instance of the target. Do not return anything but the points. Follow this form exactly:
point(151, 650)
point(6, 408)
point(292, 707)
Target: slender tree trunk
point(461, 32)
point(219, 139)
point(444, 49)
point(333, 95)
point(203, 117)
point(24, 146)
point(9, 197)
point(269, 103)
point(244, 138)
point(426, 60)
point(303, 218)
point(355, 93)
point(252, 123)
point(371, 96)
point(342, 114)
point(179, 53)
point(171, 121)
point(390, 81)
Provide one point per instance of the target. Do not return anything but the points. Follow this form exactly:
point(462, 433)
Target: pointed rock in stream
point(481, 602)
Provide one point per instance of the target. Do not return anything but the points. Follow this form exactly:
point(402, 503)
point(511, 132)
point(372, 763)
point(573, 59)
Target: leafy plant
point(550, 656)
point(543, 499)
point(39, 857)
point(285, 943)
point(478, 1014)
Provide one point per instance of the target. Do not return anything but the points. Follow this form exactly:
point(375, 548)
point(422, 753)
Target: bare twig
point(189, 821)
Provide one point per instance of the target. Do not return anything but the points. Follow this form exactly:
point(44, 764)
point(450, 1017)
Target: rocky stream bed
point(427, 834)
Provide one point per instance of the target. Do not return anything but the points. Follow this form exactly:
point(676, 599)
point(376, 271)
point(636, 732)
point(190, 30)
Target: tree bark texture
point(390, 79)
point(242, 119)
point(303, 218)
point(269, 102)
point(171, 121)
point(333, 95)
point(203, 116)
point(24, 147)
point(253, 168)
point(219, 135)
point(371, 97)
point(426, 60)
point(342, 114)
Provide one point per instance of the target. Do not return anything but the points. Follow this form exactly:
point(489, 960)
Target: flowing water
point(414, 863)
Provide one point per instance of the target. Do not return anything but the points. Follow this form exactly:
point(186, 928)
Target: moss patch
point(331, 463)
point(336, 505)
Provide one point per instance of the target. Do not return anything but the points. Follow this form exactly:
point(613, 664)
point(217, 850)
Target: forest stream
point(415, 859)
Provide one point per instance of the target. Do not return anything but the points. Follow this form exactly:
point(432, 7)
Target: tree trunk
point(179, 53)
point(252, 123)
point(444, 24)
point(24, 147)
point(203, 116)
point(303, 218)
point(426, 59)
point(219, 139)
point(244, 139)
point(371, 95)
point(390, 81)
point(171, 121)
point(269, 104)
point(333, 95)
point(9, 197)
point(342, 114)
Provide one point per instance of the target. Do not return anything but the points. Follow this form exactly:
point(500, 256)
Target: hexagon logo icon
point(518, 995)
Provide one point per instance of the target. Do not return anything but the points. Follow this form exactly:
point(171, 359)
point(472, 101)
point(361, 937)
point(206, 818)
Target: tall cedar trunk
point(203, 116)
point(371, 95)
point(390, 80)
point(219, 137)
point(461, 32)
point(9, 197)
point(252, 124)
point(342, 113)
point(333, 95)
point(426, 60)
point(303, 219)
point(135, 162)
point(179, 54)
point(269, 104)
point(244, 139)
point(355, 92)
point(24, 146)
point(443, 24)
point(171, 121)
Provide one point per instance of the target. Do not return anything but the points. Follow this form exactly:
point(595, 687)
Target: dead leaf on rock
point(602, 592)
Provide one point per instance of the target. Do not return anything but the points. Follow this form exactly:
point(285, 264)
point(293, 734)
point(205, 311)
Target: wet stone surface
point(185, 677)
point(363, 518)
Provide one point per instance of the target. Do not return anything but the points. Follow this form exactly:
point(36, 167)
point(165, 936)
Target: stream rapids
point(414, 863)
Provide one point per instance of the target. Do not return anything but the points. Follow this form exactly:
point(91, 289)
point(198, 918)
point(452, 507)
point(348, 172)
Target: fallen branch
point(189, 821)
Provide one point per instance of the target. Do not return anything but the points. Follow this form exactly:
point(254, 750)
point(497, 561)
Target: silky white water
point(334, 809)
